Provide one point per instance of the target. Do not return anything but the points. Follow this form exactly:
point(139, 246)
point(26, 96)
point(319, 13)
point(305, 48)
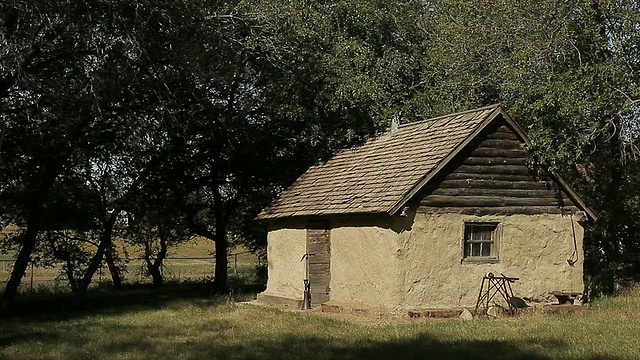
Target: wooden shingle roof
point(381, 175)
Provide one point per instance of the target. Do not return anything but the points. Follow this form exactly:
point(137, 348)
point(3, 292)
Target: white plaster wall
point(285, 271)
point(535, 246)
point(365, 265)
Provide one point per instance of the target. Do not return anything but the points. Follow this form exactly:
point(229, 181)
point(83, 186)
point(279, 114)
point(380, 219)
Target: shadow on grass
point(295, 347)
point(422, 346)
point(103, 299)
point(215, 346)
point(26, 337)
point(39, 325)
point(217, 337)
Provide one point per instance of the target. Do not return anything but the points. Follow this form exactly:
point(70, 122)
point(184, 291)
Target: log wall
point(494, 175)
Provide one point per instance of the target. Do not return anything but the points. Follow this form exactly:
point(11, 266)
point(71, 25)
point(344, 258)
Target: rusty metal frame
point(496, 285)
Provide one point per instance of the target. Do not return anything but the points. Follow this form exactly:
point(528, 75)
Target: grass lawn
point(186, 322)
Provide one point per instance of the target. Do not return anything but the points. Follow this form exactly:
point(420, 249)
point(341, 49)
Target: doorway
point(319, 257)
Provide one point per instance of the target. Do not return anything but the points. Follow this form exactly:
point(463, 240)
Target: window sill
point(480, 260)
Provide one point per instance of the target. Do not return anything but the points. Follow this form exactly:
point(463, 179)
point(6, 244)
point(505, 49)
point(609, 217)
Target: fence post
point(31, 290)
point(235, 264)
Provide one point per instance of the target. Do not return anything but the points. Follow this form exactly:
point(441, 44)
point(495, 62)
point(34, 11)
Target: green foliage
point(568, 72)
point(354, 65)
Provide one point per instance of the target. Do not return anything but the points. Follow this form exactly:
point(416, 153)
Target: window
point(481, 241)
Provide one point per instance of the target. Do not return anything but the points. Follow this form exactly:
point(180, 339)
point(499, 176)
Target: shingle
point(374, 176)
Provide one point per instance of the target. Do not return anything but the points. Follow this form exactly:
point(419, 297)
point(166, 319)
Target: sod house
point(416, 217)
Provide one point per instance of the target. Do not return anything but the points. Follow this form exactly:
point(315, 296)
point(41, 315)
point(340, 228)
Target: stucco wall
point(415, 261)
point(534, 246)
point(285, 271)
point(365, 265)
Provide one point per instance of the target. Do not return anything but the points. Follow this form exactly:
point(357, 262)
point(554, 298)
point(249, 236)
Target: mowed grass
point(189, 323)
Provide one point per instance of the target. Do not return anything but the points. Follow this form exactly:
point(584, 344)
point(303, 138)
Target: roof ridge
point(497, 105)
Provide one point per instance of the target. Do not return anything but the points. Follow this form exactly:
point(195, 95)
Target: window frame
point(496, 234)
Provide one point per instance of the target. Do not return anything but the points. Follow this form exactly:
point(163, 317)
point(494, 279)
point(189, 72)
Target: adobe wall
point(285, 271)
point(415, 262)
point(365, 266)
point(535, 246)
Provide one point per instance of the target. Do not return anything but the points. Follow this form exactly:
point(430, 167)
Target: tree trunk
point(154, 267)
point(34, 214)
point(614, 208)
point(113, 268)
point(94, 264)
point(613, 204)
point(70, 275)
point(3, 129)
point(21, 263)
point(221, 243)
point(154, 271)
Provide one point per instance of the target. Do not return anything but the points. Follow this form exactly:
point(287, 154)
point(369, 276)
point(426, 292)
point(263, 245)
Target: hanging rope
point(573, 259)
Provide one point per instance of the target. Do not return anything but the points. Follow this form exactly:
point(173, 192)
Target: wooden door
point(319, 250)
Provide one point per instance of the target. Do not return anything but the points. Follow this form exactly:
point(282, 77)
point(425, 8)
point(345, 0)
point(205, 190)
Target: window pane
point(475, 249)
point(486, 232)
point(468, 232)
point(486, 249)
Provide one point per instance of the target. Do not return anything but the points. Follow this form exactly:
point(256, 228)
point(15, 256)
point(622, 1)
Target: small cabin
point(416, 217)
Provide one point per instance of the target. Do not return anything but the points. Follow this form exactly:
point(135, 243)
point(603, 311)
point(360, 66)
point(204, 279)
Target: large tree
point(222, 105)
point(44, 126)
point(288, 84)
point(85, 97)
point(569, 71)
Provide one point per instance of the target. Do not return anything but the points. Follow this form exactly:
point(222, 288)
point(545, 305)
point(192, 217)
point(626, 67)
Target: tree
point(81, 101)
point(155, 225)
point(289, 84)
point(43, 126)
point(569, 71)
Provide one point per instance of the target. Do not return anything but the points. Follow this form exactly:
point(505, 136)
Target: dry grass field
point(190, 261)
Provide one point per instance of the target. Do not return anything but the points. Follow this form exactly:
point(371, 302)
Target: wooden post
point(235, 264)
point(31, 290)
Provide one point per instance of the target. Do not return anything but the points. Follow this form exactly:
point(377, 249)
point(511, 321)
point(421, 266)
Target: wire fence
point(240, 264)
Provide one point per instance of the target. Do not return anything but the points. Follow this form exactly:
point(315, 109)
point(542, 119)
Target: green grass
point(187, 322)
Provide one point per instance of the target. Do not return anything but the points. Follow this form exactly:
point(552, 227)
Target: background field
point(186, 322)
point(190, 261)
